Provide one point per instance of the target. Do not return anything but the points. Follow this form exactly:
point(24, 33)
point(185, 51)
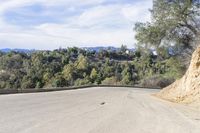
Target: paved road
point(94, 110)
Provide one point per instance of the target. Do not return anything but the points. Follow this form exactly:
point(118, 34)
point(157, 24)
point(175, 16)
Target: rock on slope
point(187, 89)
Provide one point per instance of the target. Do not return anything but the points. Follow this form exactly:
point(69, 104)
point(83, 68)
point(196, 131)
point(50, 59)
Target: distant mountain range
point(97, 49)
point(6, 50)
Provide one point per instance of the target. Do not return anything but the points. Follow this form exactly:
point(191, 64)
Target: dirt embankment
point(187, 89)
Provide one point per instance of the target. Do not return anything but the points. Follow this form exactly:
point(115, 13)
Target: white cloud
point(97, 25)
point(8, 4)
point(138, 11)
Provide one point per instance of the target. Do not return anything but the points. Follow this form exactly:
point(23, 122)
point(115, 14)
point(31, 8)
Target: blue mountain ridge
point(6, 50)
point(97, 49)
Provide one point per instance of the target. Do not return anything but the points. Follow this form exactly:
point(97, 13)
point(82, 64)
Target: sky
point(51, 24)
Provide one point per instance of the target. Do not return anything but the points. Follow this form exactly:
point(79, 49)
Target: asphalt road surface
point(95, 110)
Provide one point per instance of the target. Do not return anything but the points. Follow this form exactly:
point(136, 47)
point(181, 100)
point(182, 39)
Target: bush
point(110, 81)
point(156, 81)
point(80, 82)
point(58, 81)
point(2, 84)
point(27, 84)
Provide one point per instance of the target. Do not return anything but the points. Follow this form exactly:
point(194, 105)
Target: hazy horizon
point(43, 24)
point(117, 47)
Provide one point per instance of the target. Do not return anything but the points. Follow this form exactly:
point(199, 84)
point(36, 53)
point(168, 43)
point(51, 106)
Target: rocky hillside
point(187, 89)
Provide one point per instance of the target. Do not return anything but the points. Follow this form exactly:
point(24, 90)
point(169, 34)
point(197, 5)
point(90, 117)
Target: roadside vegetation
point(76, 67)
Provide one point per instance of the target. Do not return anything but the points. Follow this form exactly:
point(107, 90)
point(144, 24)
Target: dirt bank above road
point(187, 89)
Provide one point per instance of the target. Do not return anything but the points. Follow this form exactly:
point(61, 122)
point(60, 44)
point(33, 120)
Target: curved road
point(95, 110)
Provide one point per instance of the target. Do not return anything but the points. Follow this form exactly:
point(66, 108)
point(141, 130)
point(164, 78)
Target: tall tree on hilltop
point(174, 23)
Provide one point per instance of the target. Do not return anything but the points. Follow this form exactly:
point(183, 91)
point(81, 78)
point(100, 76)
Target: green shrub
point(81, 82)
point(156, 81)
point(110, 81)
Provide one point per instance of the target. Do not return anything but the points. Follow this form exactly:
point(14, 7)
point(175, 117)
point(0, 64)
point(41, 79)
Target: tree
point(93, 75)
point(68, 73)
point(81, 63)
point(173, 23)
point(126, 75)
point(4, 77)
point(123, 48)
point(58, 81)
point(107, 68)
point(27, 83)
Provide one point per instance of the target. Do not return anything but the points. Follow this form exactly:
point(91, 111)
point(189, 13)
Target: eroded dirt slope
point(187, 89)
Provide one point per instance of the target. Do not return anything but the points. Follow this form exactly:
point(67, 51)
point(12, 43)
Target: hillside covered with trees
point(172, 33)
point(77, 67)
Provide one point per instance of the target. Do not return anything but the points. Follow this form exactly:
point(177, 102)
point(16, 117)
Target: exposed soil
point(187, 89)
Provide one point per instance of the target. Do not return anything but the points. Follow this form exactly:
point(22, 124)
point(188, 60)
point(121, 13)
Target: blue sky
point(50, 24)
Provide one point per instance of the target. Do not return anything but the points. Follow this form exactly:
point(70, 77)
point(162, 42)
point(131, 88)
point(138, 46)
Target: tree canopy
point(75, 67)
point(174, 23)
